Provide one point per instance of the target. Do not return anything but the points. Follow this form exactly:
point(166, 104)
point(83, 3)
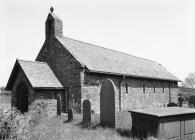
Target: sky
point(158, 30)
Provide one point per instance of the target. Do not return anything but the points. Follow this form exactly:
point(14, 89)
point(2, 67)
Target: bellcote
point(53, 25)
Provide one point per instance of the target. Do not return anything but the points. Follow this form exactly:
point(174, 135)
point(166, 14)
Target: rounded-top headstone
point(107, 103)
point(86, 112)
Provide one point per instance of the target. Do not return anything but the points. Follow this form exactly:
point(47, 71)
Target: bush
point(16, 125)
point(41, 109)
point(13, 124)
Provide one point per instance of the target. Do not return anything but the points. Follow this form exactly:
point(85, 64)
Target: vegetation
point(42, 123)
point(5, 101)
point(13, 124)
point(189, 81)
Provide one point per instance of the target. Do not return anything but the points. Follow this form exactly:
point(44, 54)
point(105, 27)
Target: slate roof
point(39, 74)
point(103, 60)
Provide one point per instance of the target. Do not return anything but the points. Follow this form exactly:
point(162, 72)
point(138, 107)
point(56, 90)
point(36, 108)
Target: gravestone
point(107, 103)
point(171, 104)
point(59, 104)
point(192, 101)
point(86, 113)
point(70, 114)
point(180, 101)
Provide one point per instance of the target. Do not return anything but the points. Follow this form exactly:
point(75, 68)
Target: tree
point(189, 81)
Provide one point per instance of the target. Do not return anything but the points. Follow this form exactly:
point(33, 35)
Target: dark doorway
point(22, 98)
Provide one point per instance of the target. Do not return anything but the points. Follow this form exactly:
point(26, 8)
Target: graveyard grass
point(50, 126)
point(46, 125)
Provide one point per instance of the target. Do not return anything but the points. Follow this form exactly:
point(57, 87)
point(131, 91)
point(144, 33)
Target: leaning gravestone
point(107, 103)
point(59, 104)
point(70, 114)
point(86, 113)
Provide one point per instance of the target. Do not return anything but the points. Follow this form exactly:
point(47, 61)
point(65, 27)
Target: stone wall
point(87, 86)
point(132, 93)
point(66, 68)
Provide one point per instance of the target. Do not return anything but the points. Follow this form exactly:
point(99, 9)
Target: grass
point(5, 102)
point(54, 127)
point(58, 128)
point(46, 125)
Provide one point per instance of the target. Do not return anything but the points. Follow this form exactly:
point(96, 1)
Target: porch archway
point(22, 98)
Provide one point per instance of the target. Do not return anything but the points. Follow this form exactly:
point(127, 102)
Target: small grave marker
point(180, 101)
point(86, 113)
point(59, 104)
point(192, 101)
point(70, 114)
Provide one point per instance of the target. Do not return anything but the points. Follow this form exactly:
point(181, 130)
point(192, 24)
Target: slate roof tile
point(39, 74)
point(99, 59)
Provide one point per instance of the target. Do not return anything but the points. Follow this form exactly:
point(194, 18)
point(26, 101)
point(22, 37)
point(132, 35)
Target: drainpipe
point(120, 90)
point(169, 93)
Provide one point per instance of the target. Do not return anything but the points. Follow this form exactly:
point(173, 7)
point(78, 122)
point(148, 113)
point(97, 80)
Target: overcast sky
point(159, 30)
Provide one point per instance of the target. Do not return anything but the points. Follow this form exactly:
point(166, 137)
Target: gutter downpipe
point(120, 90)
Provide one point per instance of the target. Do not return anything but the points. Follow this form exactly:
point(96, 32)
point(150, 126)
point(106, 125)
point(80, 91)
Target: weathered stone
point(59, 104)
point(107, 103)
point(86, 113)
point(188, 137)
point(70, 114)
point(131, 98)
point(67, 69)
point(193, 136)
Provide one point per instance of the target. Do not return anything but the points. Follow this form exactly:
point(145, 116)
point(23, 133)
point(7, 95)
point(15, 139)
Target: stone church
point(76, 69)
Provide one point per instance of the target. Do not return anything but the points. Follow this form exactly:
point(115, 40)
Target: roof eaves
point(51, 88)
point(137, 76)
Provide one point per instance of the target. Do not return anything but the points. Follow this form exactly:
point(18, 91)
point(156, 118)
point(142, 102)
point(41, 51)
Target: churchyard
point(43, 123)
point(45, 120)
